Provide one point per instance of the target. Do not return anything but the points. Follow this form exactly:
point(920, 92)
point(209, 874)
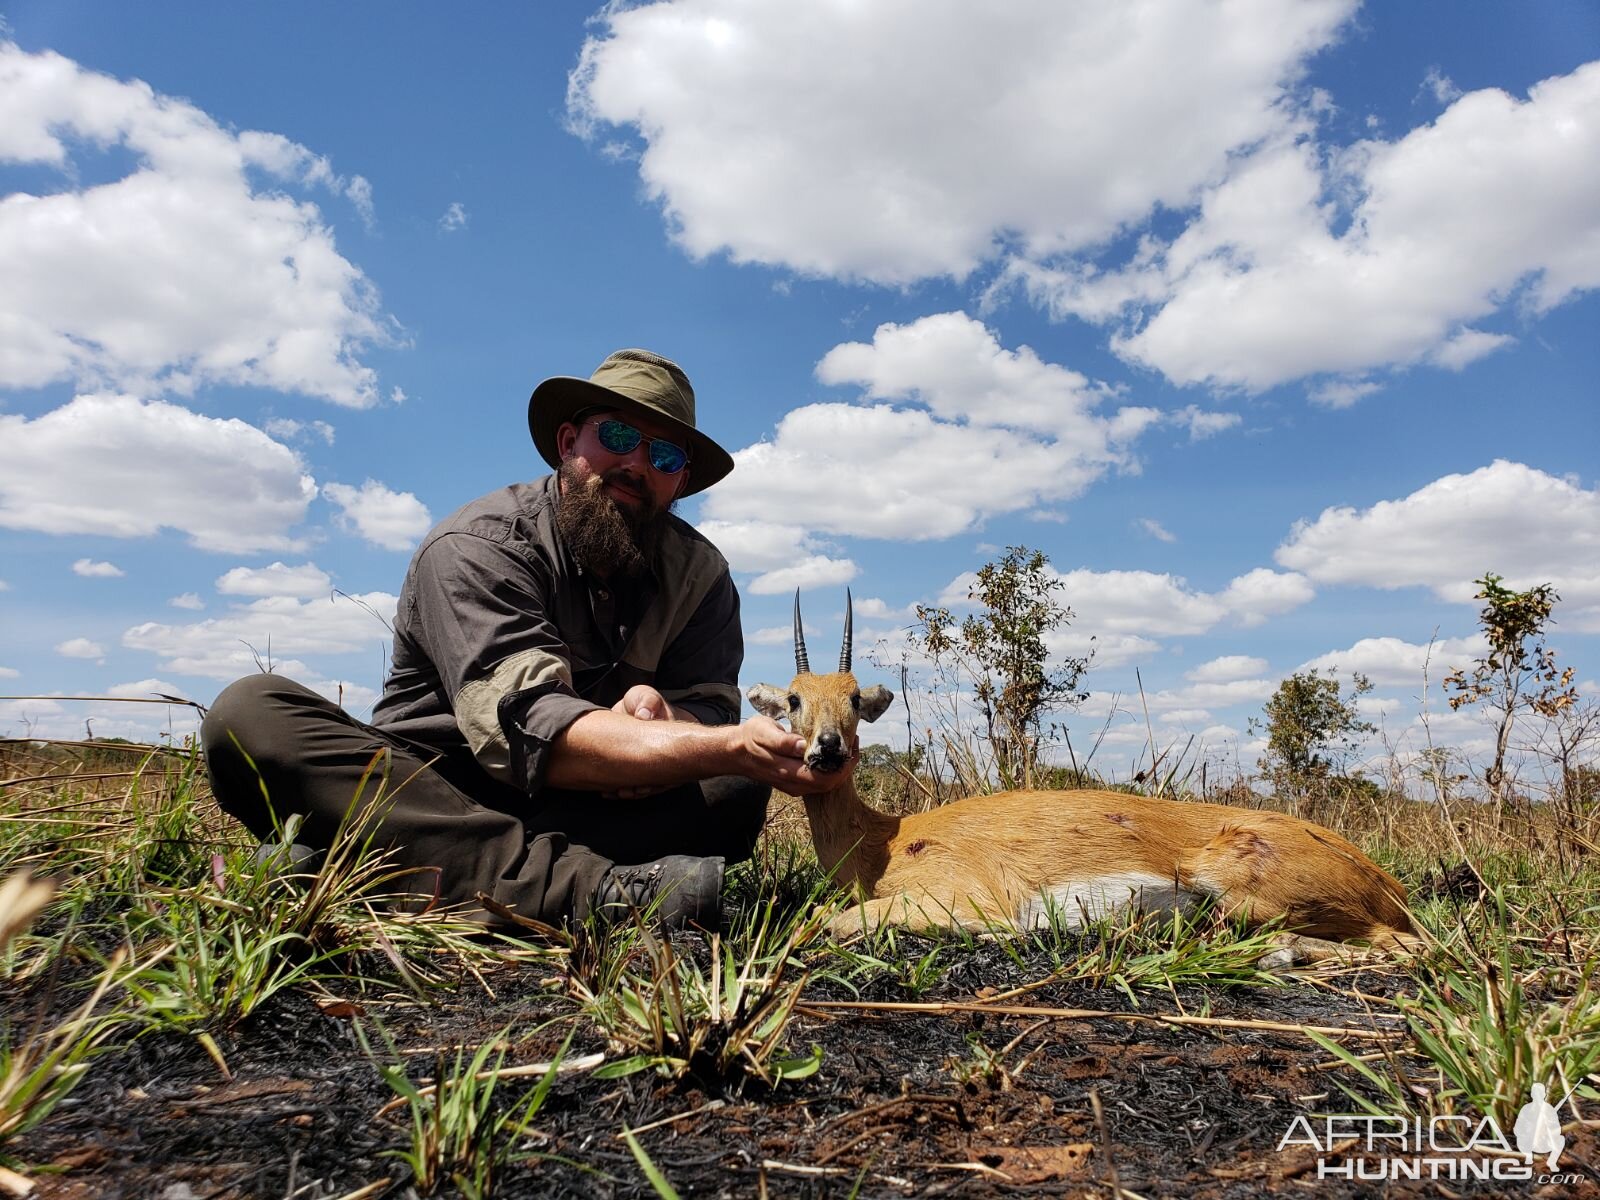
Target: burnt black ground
point(1188, 1111)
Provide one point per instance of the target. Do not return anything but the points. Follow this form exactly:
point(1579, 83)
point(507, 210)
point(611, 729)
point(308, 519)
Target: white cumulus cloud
point(386, 518)
point(37, 718)
point(1341, 393)
point(1305, 261)
point(909, 138)
point(1440, 85)
point(1226, 669)
point(142, 689)
point(1203, 423)
point(770, 635)
point(102, 464)
point(285, 627)
point(1141, 603)
point(1176, 711)
point(1155, 605)
point(1108, 649)
point(195, 266)
point(1256, 595)
point(757, 545)
point(816, 571)
point(90, 569)
point(1155, 529)
point(1144, 604)
point(1508, 518)
point(80, 647)
point(1393, 662)
point(287, 427)
point(278, 579)
point(953, 428)
point(784, 557)
point(188, 600)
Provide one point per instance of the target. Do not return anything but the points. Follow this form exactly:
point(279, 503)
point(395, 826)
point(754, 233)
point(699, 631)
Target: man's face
point(632, 484)
point(613, 506)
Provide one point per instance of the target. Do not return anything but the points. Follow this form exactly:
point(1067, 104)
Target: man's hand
point(645, 703)
point(770, 753)
point(616, 752)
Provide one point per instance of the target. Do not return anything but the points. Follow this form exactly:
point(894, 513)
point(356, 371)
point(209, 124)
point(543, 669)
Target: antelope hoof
point(848, 926)
point(1281, 959)
point(1299, 950)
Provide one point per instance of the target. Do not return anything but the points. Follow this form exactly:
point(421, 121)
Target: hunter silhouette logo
point(1538, 1129)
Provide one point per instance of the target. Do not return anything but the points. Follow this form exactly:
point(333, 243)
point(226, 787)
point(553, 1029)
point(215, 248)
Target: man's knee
point(248, 734)
point(242, 716)
point(260, 706)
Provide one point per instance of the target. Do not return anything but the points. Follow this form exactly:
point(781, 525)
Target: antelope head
point(823, 709)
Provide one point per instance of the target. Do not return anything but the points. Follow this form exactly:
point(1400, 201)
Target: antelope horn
point(844, 654)
point(801, 666)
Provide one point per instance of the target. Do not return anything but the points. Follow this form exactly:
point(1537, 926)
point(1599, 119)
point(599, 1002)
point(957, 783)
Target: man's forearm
point(605, 750)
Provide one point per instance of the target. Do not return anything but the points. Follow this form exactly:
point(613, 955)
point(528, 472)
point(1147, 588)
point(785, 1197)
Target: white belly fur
point(1073, 905)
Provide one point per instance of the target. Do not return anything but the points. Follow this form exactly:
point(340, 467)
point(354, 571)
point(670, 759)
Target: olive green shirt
point(502, 640)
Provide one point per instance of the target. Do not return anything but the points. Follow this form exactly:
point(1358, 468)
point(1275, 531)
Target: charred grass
point(175, 1022)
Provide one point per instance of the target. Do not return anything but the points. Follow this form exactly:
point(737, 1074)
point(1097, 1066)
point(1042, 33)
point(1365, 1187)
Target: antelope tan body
point(1026, 858)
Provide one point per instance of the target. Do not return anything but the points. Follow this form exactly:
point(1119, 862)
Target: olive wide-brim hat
point(630, 382)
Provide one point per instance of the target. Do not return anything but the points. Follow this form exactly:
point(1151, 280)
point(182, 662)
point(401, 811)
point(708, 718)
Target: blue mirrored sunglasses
point(620, 438)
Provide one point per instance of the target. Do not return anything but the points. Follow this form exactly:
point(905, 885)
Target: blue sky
point(1271, 323)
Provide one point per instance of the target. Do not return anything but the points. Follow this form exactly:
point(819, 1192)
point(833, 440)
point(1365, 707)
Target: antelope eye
point(855, 701)
point(794, 702)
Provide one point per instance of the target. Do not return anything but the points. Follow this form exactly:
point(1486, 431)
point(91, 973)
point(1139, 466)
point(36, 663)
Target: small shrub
point(456, 1135)
point(722, 1024)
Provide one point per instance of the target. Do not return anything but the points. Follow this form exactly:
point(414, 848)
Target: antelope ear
point(769, 701)
point(874, 701)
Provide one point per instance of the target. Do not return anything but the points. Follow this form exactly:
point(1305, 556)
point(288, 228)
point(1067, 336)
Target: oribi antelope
point(1023, 858)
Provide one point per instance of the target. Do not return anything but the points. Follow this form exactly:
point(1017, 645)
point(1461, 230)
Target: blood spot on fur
point(1245, 845)
point(1120, 819)
point(917, 847)
point(1250, 844)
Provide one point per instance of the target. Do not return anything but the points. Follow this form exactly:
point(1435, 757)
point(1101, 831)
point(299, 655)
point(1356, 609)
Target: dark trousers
point(274, 748)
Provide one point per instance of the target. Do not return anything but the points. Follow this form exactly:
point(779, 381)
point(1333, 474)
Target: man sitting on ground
point(559, 726)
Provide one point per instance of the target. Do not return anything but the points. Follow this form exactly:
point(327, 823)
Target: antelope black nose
point(829, 743)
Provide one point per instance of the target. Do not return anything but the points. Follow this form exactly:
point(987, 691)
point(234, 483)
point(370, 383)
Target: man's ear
point(566, 439)
point(769, 701)
point(875, 700)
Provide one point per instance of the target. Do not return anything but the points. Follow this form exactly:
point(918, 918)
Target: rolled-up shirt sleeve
point(699, 672)
point(486, 623)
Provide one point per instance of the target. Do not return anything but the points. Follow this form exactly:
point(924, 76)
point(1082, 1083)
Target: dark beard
point(607, 539)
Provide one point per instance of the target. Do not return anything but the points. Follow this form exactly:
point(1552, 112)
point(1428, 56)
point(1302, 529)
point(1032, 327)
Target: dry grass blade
point(145, 748)
point(710, 1106)
point(506, 913)
point(115, 699)
point(772, 1164)
point(527, 1071)
point(21, 898)
point(70, 777)
point(1094, 1014)
point(13, 1183)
